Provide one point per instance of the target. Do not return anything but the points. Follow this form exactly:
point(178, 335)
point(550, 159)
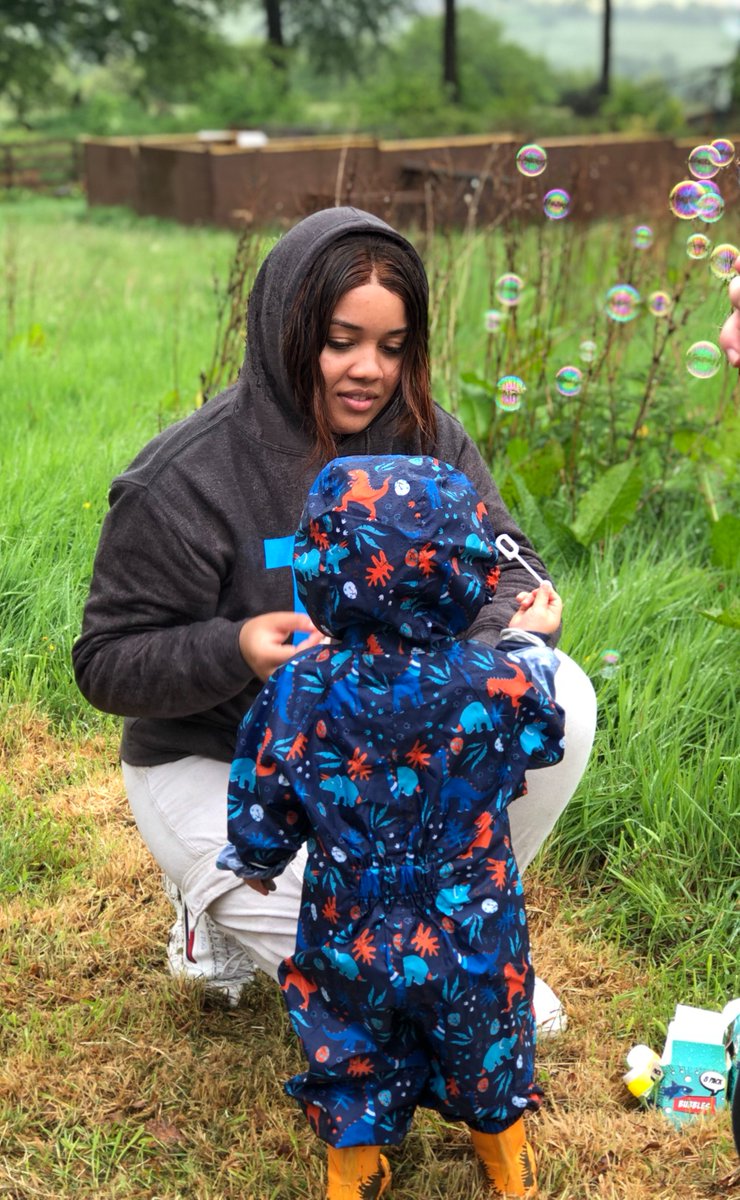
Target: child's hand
point(263, 886)
point(539, 611)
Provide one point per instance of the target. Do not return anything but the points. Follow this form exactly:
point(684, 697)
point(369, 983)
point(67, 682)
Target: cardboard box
point(694, 1063)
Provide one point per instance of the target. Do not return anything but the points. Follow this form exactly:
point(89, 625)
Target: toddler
point(393, 752)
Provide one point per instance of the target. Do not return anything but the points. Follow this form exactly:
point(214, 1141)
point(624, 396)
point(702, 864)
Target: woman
point(192, 597)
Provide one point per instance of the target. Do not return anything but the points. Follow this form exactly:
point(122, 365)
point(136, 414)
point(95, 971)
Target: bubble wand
point(510, 550)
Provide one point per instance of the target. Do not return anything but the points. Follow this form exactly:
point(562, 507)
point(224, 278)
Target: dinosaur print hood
point(396, 541)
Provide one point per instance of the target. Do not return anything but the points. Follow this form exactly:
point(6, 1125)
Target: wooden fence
point(427, 181)
point(42, 165)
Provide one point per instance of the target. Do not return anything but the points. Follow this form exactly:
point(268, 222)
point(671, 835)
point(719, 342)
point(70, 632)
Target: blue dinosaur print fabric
point(393, 753)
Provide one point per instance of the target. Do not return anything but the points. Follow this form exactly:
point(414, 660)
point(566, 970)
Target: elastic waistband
point(389, 881)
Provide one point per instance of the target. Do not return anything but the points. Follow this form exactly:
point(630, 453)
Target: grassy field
point(116, 1081)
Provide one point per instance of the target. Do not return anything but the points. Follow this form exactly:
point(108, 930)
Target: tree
point(450, 75)
point(333, 34)
point(274, 19)
point(172, 41)
point(606, 50)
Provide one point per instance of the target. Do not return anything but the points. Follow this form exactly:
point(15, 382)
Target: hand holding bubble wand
point(510, 550)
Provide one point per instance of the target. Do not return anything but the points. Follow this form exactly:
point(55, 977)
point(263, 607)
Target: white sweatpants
point(180, 810)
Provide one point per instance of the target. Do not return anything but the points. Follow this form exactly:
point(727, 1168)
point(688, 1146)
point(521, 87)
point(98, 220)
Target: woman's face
point(361, 361)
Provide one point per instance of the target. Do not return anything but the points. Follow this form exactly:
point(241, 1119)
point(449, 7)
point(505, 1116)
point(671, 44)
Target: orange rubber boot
point(356, 1173)
point(508, 1160)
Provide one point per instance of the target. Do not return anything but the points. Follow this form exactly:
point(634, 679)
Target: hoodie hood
point(394, 541)
point(263, 384)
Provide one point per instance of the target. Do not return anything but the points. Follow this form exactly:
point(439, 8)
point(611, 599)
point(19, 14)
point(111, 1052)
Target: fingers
point(525, 600)
point(263, 640)
point(539, 611)
point(729, 338)
point(282, 624)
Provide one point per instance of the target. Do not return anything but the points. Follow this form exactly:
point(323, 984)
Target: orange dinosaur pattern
point(361, 492)
point(513, 688)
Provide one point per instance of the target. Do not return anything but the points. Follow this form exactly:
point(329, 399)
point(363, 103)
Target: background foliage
point(133, 67)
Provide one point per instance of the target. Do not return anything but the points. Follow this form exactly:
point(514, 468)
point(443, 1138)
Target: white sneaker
point(549, 1014)
point(205, 951)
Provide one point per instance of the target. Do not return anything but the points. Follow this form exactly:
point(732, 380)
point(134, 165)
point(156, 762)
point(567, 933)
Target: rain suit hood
point(396, 541)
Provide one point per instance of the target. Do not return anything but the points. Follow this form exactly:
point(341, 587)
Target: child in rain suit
point(392, 752)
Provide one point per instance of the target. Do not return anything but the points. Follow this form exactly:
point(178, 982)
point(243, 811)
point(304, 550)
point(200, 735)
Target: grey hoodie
point(199, 534)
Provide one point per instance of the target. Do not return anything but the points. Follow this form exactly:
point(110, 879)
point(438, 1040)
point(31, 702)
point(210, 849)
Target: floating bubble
point(509, 392)
point(698, 245)
point(568, 380)
point(660, 304)
point(710, 207)
point(622, 302)
point(703, 360)
point(493, 320)
point(724, 151)
point(722, 260)
point(587, 351)
point(684, 199)
point(642, 237)
point(556, 204)
point(509, 289)
point(610, 660)
point(531, 160)
point(703, 162)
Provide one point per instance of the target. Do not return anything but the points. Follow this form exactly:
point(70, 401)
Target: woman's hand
point(262, 640)
point(729, 338)
point(539, 611)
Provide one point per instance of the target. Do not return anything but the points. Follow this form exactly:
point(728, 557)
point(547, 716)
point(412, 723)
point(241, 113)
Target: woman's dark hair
point(351, 262)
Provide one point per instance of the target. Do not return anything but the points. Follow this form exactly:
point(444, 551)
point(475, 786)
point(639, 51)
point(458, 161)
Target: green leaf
point(730, 617)
point(541, 470)
point(475, 414)
point(517, 449)
point(724, 535)
point(546, 533)
point(685, 440)
point(610, 504)
point(474, 380)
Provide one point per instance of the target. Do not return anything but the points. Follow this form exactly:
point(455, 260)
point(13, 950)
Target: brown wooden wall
point(428, 181)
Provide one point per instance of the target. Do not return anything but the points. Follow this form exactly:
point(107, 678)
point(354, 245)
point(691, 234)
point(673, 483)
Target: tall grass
point(108, 326)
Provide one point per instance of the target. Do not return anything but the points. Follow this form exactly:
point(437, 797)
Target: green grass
point(118, 1084)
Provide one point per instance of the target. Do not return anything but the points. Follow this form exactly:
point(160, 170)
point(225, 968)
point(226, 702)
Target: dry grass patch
point(117, 1081)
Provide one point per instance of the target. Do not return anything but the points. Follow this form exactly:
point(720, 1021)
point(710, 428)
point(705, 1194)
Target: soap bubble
point(509, 289)
point(509, 392)
point(660, 304)
point(587, 351)
point(609, 663)
point(710, 207)
point(568, 380)
point(703, 162)
point(703, 360)
point(531, 160)
point(622, 302)
point(556, 204)
point(493, 320)
point(698, 245)
point(642, 237)
point(684, 199)
point(724, 151)
point(722, 260)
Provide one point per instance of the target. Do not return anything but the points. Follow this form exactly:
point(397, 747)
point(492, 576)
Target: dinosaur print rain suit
point(393, 753)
